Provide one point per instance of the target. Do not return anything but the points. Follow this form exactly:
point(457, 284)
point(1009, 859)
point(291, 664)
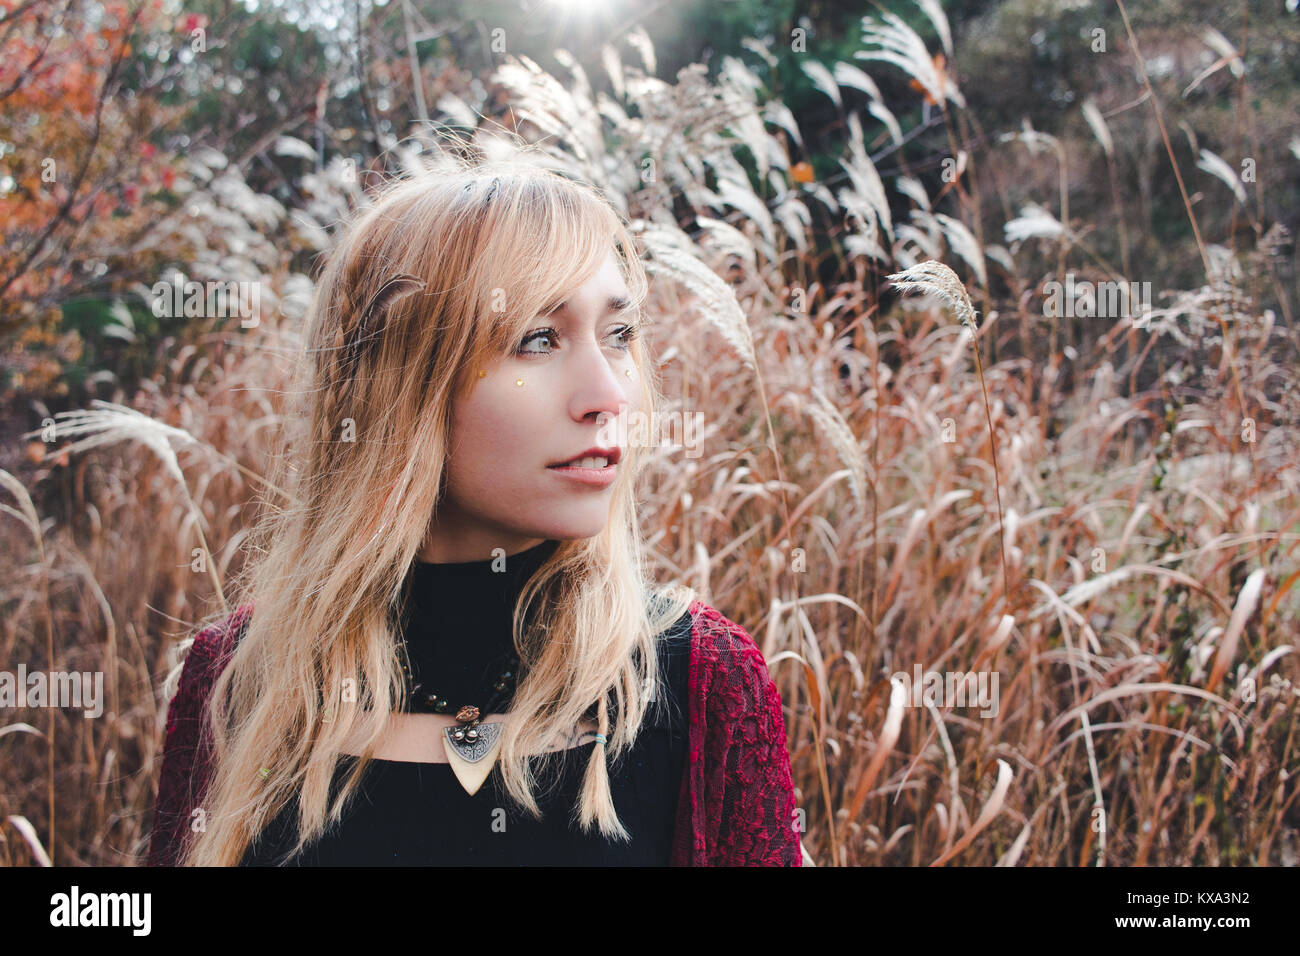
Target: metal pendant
point(473, 757)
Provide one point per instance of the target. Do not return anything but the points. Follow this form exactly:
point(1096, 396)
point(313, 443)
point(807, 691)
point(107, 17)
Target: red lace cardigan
point(737, 802)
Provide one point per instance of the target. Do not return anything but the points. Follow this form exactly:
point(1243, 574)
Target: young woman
point(455, 658)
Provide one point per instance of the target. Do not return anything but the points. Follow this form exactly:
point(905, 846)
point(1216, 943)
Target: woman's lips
point(596, 477)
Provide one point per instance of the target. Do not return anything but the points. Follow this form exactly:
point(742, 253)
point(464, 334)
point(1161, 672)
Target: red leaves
point(191, 22)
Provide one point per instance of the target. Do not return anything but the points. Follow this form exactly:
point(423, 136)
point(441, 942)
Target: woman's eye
point(534, 337)
point(626, 335)
point(623, 339)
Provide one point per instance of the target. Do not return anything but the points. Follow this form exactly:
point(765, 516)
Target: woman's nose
point(597, 385)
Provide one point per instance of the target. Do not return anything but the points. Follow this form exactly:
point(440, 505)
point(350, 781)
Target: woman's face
point(503, 490)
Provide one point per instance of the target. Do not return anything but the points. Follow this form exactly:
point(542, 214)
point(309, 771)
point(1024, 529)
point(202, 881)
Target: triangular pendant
point(473, 762)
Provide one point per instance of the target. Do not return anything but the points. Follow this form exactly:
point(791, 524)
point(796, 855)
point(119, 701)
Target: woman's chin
point(574, 529)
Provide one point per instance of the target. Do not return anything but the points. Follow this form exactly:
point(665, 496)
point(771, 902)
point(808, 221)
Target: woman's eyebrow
point(615, 303)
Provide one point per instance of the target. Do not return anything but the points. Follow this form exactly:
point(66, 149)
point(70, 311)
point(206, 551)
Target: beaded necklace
point(471, 745)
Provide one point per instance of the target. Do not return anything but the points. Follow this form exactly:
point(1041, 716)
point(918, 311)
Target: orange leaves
point(36, 453)
point(55, 74)
point(78, 161)
point(939, 68)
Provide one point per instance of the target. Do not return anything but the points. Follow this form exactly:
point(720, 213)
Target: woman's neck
point(465, 549)
point(458, 617)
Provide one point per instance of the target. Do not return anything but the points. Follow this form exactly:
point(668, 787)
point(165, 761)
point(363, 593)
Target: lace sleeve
point(185, 753)
point(745, 747)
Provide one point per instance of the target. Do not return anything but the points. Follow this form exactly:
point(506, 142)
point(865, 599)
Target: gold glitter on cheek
point(482, 374)
point(519, 381)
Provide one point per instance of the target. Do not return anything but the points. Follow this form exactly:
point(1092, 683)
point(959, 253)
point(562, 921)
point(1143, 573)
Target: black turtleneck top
point(455, 625)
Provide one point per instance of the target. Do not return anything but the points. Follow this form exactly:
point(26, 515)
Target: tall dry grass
point(1080, 507)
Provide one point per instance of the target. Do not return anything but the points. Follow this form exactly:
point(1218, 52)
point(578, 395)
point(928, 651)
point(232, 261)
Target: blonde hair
point(325, 573)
